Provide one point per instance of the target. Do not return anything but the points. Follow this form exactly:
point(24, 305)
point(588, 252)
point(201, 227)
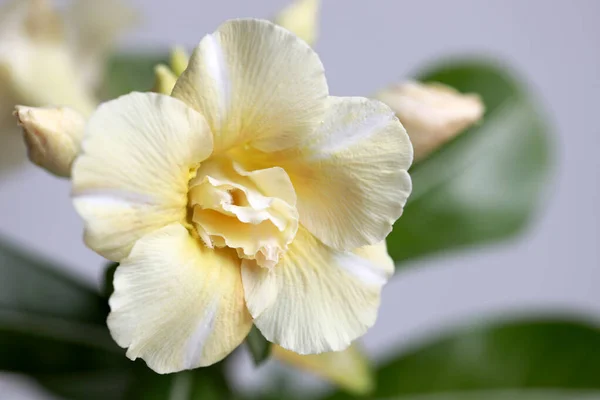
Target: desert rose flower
point(432, 113)
point(249, 196)
point(42, 64)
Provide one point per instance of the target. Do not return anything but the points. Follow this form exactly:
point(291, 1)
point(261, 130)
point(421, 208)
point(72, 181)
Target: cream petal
point(348, 369)
point(246, 210)
point(351, 179)
point(378, 254)
point(132, 177)
point(316, 299)
point(36, 65)
point(177, 304)
point(257, 84)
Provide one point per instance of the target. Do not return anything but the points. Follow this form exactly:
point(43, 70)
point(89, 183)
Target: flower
point(249, 196)
point(41, 65)
point(432, 114)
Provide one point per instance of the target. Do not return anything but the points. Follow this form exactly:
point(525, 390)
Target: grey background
point(364, 46)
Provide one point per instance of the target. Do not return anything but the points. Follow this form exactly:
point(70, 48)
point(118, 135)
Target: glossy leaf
point(53, 329)
point(206, 383)
point(486, 185)
point(528, 358)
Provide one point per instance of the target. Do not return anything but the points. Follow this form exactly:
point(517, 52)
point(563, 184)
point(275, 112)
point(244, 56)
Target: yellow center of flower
point(243, 210)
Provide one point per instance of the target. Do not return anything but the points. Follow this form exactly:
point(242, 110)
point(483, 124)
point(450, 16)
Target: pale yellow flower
point(249, 196)
point(41, 65)
point(432, 114)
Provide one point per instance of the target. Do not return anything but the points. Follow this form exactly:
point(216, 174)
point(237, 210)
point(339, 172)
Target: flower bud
point(179, 60)
point(52, 135)
point(301, 18)
point(432, 114)
point(164, 79)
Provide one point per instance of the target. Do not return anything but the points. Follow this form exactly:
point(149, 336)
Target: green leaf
point(502, 360)
point(131, 72)
point(109, 275)
point(259, 347)
point(206, 383)
point(485, 185)
point(52, 328)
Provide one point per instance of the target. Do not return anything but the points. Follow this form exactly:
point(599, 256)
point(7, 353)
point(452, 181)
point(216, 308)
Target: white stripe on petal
point(203, 330)
point(177, 304)
point(113, 196)
point(217, 68)
point(349, 136)
point(362, 269)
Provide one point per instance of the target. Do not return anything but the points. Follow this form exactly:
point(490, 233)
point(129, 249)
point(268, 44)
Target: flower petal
point(348, 369)
point(352, 180)
point(316, 299)
point(379, 255)
point(253, 212)
point(256, 83)
point(178, 304)
point(132, 177)
point(36, 65)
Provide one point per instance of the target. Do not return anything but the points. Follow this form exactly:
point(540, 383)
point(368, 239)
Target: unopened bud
point(432, 114)
point(301, 18)
point(52, 135)
point(164, 79)
point(179, 60)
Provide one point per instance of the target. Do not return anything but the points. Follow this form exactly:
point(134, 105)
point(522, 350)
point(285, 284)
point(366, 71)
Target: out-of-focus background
point(555, 47)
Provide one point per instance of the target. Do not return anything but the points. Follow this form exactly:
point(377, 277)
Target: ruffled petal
point(251, 211)
point(177, 304)
point(257, 84)
point(132, 177)
point(316, 299)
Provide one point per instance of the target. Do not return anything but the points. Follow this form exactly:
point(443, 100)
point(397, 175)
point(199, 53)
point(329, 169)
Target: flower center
point(251, 211)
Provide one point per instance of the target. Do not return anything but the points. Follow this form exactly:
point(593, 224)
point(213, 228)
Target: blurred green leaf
point(259, 347)
point(503, 360)
point(486, 184)
point(206, 383)
point(130, 72)
point(52, 328)
point(109, 275)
